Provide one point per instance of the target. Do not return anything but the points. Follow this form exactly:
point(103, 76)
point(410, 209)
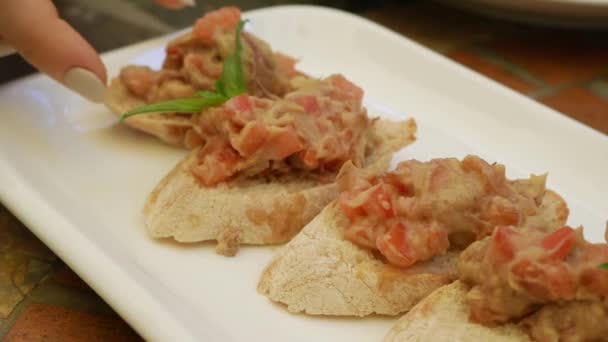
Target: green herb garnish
point(230, 84)
point(604, 266)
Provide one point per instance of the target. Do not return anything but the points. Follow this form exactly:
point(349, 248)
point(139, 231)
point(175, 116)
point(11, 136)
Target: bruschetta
point(520, 284)
point(261, 169)
point(193, 63)
point(392, 238)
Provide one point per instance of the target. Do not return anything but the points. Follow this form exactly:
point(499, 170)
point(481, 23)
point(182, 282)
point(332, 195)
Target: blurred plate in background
point(578, 13)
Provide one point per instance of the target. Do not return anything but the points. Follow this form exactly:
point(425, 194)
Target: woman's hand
point(51, 45)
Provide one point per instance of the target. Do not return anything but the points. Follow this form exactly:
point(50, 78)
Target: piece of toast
point(252, 211)
point(168, 127)
point(443, 316)
point(319, 272)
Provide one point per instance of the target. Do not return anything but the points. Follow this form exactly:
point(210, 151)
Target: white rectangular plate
point(78, 179)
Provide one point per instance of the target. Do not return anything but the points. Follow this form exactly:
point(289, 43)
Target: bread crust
point(443, 316)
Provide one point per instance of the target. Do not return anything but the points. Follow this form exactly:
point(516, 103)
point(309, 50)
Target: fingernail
point(85, 83)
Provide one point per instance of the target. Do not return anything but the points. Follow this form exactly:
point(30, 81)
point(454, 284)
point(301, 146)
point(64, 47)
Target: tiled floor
point(42, 300)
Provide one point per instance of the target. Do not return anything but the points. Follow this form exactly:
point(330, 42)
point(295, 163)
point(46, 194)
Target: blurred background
point(552, 51)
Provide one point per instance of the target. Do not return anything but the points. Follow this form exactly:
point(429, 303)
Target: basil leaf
point(604, 266)
point(219, 87)
point(231, 82)
point(195, 105)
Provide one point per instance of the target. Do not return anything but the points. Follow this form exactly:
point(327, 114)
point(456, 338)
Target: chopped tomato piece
point(251, 138)
point(223, 18)
point(240, 104)
point(500, 211)
point(560, 243)
point(379, 202)
point(404, 246)
point(218, 161)
point(502, 241)
point(350, 211)
point(545, 280)
point(284, 143)
point(440, 178)
point(346, 90)
point(395, 247)
point(394, 180)
point(310, 104)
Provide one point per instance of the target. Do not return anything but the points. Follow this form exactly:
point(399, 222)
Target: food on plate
point(263, 159)
point(194, 63)
point(260, 168)
point(519, 284)
point(393, 237)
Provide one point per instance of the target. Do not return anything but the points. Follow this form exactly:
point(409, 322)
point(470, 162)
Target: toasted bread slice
point(443, 316)
point(252, 211)
point(168, 127)
point(320, 273)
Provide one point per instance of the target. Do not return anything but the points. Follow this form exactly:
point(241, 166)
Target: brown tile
point(42, 323)
point(558, 57)
point(19, 274)
point(581, 105)
point(65, 276)
point(15, 237)
point(492, 71)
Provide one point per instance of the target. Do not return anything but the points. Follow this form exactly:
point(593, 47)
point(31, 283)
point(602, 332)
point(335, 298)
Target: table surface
point(41, 299)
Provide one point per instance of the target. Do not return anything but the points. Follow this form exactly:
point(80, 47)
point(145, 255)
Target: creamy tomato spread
point(423, 208)
point(316, 128)
point(195, 61)
point(551, 281)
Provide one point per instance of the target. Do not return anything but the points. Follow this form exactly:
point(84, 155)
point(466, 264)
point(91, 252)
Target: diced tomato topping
point(310, 104)
point(395, 247)
point(501, 212)
point(218, 163)
point(560, 243)
point(502, 241)
point(403, 246)
point(251, 138)
point(440, 177)
point(546, 280)
point(346, 90)
point(394, 180)
point(379, 202)
point(284, 143)
point(240, 104)
point(350, 211)
point(223, 18)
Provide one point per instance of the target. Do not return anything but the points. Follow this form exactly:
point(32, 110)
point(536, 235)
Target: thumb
point(34, 29)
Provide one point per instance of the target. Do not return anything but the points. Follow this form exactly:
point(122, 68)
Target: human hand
point(33, 28)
